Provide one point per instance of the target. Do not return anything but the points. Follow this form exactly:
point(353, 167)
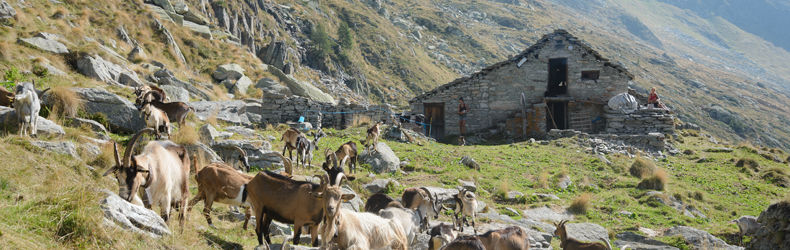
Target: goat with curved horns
point(465, 205)
point(574, 244)
point(337, 169)
point(162, 168)
point(347, 149)
point(421, 199)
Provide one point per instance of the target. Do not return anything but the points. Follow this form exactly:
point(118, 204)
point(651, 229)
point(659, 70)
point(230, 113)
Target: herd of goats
point(161, 173)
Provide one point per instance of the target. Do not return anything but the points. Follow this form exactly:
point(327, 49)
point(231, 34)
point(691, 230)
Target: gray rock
point(208, 133)
point(699, 239)
point(53, 70)
point(277, 228)
point(245, 132)
point(49, 36)
point(546, 214)
point(383, 160)
point(193, 91)
point(228, 71)
point(514, 195)
point(513, 211)
point(124, 36)
point(121, 114)
point(163, 73)
point(772, 221)
point(468, 185)
point(275, 54)
point(640, 242)
point(241, 86)
point(546, 196)
point(166, 5)
point(51, 46)
point(180, 8)
point(9, 120)
point(233, 112)
point(288, 69)
point(160, 28)
point(201, 30)
point(97, 68)
point(132, 217)
point(258, 151)
point(302, 88)
point(64, 147)
point(586, 231)
point(203, 154)
point(469, 162)
point(6, 11)
point(353, 204)
point(270, 86)
point(719, 150)
point(195, 18)
point(379, 185)
point(176, 94)
point(137, 52)
point(79, 122)
point(565, 182)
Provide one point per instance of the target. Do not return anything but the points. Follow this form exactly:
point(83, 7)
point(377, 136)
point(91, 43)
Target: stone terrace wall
point(650, 140)
point(278, 108)
point(641, 122)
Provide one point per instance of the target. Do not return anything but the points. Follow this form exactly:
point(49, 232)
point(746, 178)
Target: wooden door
point(434, 115)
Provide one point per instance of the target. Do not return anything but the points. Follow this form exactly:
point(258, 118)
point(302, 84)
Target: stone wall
point(645, 141)
point(641, 122)
point(494, 93)
point(278, 108)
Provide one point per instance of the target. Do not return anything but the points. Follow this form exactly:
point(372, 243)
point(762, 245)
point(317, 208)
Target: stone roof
point(523, 54)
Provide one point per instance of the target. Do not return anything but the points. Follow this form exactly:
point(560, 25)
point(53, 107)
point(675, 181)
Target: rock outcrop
point(10, 122)
point(94, 66)
point(132, 217)
point(44, 44)
point(383, 160)
point(773, 230)
point(700, 239)
point(121, 114)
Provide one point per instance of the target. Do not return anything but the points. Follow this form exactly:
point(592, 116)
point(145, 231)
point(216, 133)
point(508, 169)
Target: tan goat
point(290, 137)
point(222, 183)
point(511, 238)
point(373, 137)
point(162, 169)
point(574, 244)
point(157, 119)
point(347, 149)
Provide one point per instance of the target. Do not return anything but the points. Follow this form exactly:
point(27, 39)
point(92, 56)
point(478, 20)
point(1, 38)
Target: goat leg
point(265, 228)
point(247, 215)
point(207, 211)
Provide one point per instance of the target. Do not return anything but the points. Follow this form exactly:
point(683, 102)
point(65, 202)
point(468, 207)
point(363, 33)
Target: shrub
point(543, 180)
point(580, 204)
point(64, 102)
point(656, 181)
point(689, 152)
point(777, 175)
point(642, 167)
point(697, 195)
point(13, 75)
point(748, 164)
point(40, 71)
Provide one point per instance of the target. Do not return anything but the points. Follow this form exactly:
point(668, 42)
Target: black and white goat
point(305, 148)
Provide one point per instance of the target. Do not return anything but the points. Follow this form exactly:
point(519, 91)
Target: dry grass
point(282, 127)
point(777, 175)
point(361, 121)
point(186, 135)
point(656, 181)
point(212, 119)
point(543, 179)
point(64, 102)
point(748, 164)
point(580, 204)
point(642, 167)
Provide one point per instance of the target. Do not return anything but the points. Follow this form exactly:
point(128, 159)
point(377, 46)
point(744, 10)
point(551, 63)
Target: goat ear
point(317, 195)
point(112, 169)
point(347, 197)
point(351, 178)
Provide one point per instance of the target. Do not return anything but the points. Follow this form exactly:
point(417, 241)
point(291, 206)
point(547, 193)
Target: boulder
point(193, 91)
point(469, 162)
point(773, 224)
point(513, 196)
point(121, 114)
point(94, 66)
point(204, 154)
point(132, 217)
point(166, 5)
point(208, 133)
point(180, 8)
point(546, 214)
point(233, 112)
point(275, 54)
point(44, 44)
point(302, 88)
point(6, 11)
point(244, 132)
point(353, 204)
point(201, 30)
point(699, 239)
point(381, 161)
point(241, 86)
point(136, 53)
point(637, 241)
point(64, 147)
point(75, 122)
point(269, 85)
point(176, 94)
point(10, 122)
point(469, 185)
point(195, 18)
point(228, 71)
point(586, 231)
point(379, 185)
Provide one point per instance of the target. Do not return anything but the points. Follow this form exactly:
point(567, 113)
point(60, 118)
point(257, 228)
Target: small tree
point(345, 36)
point(322, 44)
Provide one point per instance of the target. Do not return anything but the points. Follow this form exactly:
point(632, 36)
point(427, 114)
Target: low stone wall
point(650, 140)
point(641, 122)
point(278, 108)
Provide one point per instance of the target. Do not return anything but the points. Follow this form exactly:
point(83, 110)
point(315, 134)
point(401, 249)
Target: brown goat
point(221, 183)
point(379, 201)
point(336, 169)
point(176, 111)
point(511, 238)
point(148, 93)
point(441, 235)
point(373, 137)
point(276, 197)
point(6, 98)
point(464, 243)
point(574, 244)
point(290, 136)
point(347, 149)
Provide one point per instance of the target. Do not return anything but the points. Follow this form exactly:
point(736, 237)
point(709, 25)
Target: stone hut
point(557, 83)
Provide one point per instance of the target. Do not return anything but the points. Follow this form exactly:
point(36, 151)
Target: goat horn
point(343, 162)
point(334, 159)
point(117, 160)
point(241, 151)
point(340, 177)
point(429, 193)
point(127, 155)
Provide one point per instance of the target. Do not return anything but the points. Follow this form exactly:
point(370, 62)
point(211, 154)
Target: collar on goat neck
point(148, 179)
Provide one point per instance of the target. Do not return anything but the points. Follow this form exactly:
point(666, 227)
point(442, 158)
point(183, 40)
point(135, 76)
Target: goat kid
point(162, 169)
point(176, 111)
point(574, 244)
point(27, 106)
point(221, 183)
point(356, 231)
point(157, 119)
point(441, 235)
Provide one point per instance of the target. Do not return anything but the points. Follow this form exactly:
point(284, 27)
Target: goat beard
point(329, 229)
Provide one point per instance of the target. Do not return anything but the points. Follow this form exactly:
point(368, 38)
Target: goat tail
point(400, 241)
point(606, 243)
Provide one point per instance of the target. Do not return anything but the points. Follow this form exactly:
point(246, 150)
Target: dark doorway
point(558, 77)
point(434, 115)
point(557, 115)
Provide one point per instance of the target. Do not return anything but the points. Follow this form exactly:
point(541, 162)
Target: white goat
point(27, 106)
point(465, 205)
point(422, 200)
point(162, 169)
point(155, 118)
point(409, 220)
point(356, 231)
point(746, 225)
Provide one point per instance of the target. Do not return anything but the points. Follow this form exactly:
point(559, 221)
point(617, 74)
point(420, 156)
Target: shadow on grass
point(216, 241)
